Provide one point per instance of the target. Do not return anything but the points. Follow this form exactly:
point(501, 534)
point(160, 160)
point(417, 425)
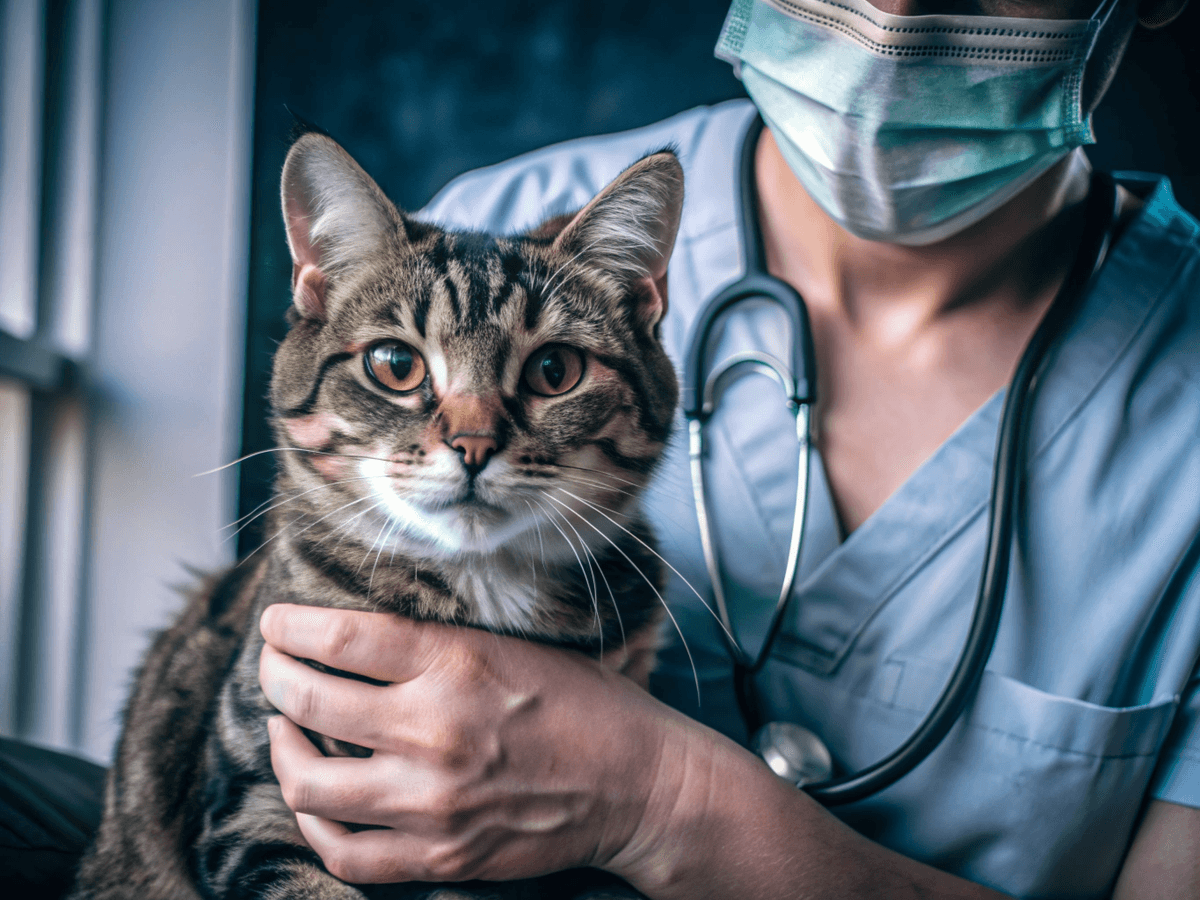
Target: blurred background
point(144, 273)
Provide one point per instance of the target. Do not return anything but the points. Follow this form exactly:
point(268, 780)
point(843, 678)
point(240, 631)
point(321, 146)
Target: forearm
point(721, 825)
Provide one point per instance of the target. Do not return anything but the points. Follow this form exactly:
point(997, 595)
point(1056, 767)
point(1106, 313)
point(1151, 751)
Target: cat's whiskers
point(392, 565)
point(587, 482)
point(593, 483)
point(241, 522)
point(575, 480)
point(386, 526)
point(639, 485)
point(652, 586)
point(540, 484)
point(592, 588)
point(287, 527)
point(533, 561)
point(668, 526)
point(345, 526)
point(612, 599)
point(645, 484)
point(242, 459)
point(549, 518)
point(549, 513)
point(665, 562)
point(537, 525)
point(653, 485)
point(378, 554)
point(255, 513)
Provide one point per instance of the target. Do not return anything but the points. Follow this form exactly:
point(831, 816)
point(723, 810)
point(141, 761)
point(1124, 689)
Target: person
point(928, 220)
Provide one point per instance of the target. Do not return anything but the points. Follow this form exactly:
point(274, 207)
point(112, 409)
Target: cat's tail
point(152, 802)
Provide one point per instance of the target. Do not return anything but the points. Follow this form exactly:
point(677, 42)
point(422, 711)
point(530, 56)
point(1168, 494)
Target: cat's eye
point(395, 366)
point(554, 369)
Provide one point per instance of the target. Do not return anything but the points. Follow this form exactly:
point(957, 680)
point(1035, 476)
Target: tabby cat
point(464, 423)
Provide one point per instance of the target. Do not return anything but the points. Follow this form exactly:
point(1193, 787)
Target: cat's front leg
point(249, 846)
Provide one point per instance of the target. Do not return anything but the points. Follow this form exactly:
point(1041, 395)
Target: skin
point(497, 758)
point(911, 340)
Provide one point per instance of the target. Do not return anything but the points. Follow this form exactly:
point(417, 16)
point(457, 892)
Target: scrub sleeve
point(1177, 778)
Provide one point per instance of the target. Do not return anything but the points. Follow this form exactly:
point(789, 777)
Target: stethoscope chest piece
point(793, 753)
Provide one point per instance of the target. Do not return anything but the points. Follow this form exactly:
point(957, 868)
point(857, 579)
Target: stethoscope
point(794, 752)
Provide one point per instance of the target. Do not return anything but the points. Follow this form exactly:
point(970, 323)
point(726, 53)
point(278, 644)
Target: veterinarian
point(928, 240)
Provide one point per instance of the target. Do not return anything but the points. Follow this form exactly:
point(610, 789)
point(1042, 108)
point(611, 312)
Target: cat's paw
point(311, 884)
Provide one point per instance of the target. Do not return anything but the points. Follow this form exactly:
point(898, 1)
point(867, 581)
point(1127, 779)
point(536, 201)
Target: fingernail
point(273, 725)
point(266, 619)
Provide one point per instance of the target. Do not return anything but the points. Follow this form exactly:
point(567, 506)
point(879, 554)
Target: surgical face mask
point(909, 129)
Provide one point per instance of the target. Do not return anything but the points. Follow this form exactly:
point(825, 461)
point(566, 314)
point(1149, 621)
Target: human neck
point(1012, 257)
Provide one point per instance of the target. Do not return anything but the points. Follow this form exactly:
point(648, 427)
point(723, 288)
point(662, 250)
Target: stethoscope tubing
point(1100, 215)
point(1011, 449)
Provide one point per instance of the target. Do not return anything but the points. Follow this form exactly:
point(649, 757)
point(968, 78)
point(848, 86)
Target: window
point(124, 182)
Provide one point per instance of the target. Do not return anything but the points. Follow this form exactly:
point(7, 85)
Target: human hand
point(494, 757)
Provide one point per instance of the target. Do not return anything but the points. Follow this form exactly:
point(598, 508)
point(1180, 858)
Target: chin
point(464, 528)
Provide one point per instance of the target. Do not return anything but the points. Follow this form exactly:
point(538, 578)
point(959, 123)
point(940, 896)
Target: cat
point(464, 424)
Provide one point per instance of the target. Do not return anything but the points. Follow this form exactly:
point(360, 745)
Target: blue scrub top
point(1091, 699)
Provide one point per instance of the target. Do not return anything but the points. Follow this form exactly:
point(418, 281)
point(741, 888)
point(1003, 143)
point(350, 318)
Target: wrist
point(681, 824)
point(719, 823)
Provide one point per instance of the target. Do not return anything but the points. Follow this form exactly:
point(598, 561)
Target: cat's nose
point(476, 450)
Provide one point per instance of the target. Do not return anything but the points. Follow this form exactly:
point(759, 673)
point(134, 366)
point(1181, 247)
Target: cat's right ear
point(335, 216)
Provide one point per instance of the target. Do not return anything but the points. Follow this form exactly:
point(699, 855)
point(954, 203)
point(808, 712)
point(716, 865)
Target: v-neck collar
point(838, 595)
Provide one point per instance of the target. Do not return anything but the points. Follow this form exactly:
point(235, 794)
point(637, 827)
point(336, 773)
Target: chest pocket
point(1032, 793)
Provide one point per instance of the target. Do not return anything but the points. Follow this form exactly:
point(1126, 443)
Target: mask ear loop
point(1110, 36)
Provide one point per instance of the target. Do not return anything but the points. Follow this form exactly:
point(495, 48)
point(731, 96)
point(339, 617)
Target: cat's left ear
point(336, 218)
point(628, 231)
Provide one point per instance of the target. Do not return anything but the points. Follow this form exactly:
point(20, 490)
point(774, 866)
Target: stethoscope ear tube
point(756, 283)
point(1102, 210)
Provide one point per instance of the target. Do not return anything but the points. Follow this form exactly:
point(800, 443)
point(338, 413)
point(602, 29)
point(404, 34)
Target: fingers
point(343, 788)
point(339, 707)
point(386, 716)
point(356, 861)
point(417, 823)
point(324, 792)
point(377, 645)
point(382, 856)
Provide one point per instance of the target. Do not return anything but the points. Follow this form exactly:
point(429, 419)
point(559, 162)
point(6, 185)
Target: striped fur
point(478, 496)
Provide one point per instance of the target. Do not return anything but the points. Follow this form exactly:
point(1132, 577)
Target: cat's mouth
point(469, 501)
point(467, 517)
point(464, 510)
